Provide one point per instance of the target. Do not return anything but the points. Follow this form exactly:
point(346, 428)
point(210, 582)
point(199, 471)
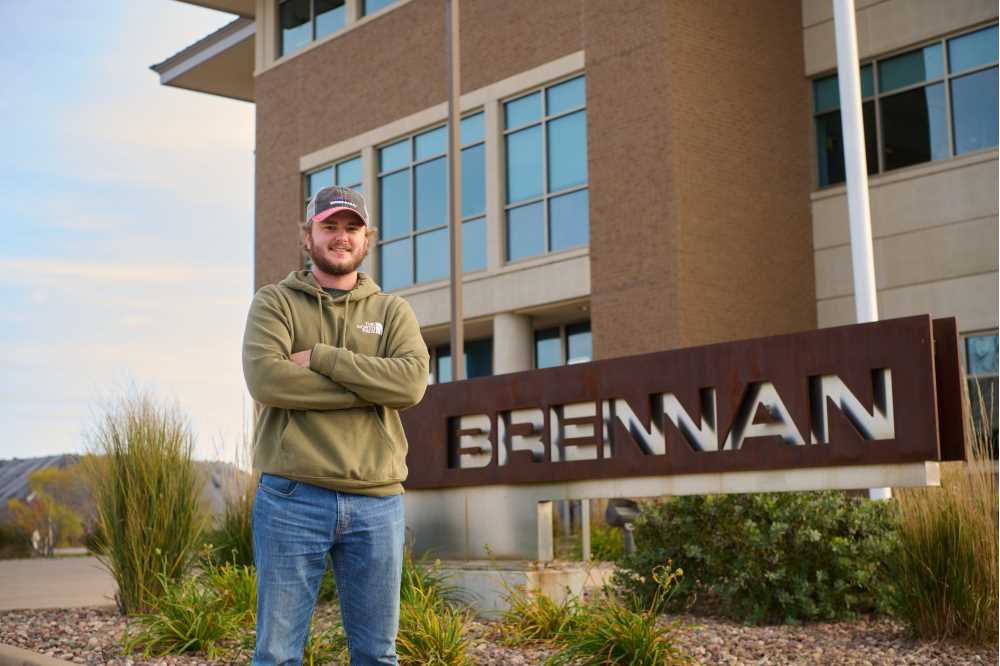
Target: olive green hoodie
point(333, 424)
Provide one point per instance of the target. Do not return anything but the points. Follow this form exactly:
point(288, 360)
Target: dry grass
point(946, 571)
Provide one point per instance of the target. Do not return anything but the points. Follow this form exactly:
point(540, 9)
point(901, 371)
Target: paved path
point(64, 582)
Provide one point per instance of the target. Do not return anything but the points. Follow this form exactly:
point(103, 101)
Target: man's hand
point(301, 358)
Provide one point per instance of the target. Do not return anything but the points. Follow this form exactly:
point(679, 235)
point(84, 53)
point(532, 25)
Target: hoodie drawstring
point(343, 330)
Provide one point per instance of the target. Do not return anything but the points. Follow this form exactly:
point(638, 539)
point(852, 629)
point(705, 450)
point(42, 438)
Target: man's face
point(338, 244)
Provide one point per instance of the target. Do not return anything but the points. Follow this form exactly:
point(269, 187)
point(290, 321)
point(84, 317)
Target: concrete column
point(512, 343)
point(369, 182)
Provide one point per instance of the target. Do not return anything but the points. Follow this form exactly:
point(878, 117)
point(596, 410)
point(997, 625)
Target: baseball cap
point(333, 199)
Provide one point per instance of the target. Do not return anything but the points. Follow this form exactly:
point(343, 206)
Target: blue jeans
point(294, 526)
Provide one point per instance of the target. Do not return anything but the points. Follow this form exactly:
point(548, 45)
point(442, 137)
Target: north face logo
point(374, 327)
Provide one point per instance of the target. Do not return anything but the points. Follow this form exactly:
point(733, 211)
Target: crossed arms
point(327, 377)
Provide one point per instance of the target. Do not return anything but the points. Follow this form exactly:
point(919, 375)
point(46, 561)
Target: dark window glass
point(972, 50)
point(527, 109)
point(474, 245)
point(372, 6)
point(471, 130)
point(565, 96)
point(474, 180)
point(431, 185)
point(396, 262)
point(331, 16)
point(524, 164)
point(318, 180)
point(296, 27)
point(395, 156)
point(432, 255)
point(910, 68)
point(394, 205)
point(974, 110)
point(567, 139)
point(915, 126)
point(548, 348)
point(578, 343)
point(569, 222)
point(525, 231)
point(429, 144)
point(478, 360)
point(349, 173)
point(830, 145)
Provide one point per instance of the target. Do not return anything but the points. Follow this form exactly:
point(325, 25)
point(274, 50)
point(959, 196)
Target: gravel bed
point(92, 636)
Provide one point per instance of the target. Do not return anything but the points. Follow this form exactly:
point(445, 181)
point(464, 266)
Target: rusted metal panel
point(951, 405)
point(788, 367)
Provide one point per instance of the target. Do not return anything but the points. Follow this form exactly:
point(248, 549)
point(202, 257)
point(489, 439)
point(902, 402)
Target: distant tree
point(53, 513)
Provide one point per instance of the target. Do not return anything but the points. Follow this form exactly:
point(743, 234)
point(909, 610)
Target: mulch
point(93, 636)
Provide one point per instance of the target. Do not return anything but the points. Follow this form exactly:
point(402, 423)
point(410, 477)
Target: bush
point(532, 616)
point(945, 573)
point(431, 625)
point(778, 557)
point(186, 616)
point(326, 647)
point(610, 630)
point(147, 496)
point(13, 542)
point(236, 587)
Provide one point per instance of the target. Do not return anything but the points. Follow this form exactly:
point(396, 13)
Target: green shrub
point(945, 572)
point(328, 585)
point(147, 495)
point(533, 616)
point(186, 616)
point(232, 539)
point(431, 632)
point(326, 647)
point(610, 630)
point(431, 624)
point(236, 587)
point(778, 557)
point(13, 542)
point(607, 544)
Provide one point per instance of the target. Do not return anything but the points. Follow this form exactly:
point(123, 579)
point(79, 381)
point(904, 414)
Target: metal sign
point(882, 393)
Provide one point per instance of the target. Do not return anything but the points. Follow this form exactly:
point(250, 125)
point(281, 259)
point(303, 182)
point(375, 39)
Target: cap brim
point(319, 217)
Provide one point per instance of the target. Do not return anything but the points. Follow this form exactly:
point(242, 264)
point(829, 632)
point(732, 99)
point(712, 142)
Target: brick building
point(637, 176)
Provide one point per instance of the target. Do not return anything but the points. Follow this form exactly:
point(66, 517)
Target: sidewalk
point(67, 582)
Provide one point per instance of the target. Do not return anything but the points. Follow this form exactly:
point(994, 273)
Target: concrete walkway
point(63, 582)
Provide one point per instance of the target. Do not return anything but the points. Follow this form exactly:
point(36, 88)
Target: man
point(331, 359)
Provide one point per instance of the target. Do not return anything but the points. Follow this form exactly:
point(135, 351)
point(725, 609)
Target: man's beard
point(345, 267)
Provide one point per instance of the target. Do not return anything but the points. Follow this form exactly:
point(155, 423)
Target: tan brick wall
point(324, 95)
point(699, 173)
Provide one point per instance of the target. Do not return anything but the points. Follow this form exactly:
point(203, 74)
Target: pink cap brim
point(319, 217)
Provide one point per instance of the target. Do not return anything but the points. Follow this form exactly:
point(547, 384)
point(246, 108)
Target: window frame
point(945, 79)
point(544, 119)
point(280, 41)
point(563, 343)
point(411, 168)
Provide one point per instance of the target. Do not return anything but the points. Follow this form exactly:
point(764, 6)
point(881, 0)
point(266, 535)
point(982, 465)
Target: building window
point(413, 205)
point(303, 21)
point(563, 345)
point(545, 137)
point(346, 173)
point(930, 103)
point(478, 360)
point(372, 6)
point(981, 365)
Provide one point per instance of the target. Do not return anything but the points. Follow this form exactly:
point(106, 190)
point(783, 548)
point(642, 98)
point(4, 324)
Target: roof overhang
point(220, 64)
point(244, 8)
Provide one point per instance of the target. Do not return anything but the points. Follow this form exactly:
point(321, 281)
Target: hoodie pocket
point(347, 444)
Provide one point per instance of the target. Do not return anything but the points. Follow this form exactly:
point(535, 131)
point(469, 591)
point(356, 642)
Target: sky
point(126, 259)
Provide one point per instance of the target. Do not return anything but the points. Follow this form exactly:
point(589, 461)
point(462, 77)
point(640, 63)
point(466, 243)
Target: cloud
point(12, 269)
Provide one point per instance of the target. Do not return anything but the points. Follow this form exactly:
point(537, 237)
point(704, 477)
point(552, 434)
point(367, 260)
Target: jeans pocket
point(278, 485)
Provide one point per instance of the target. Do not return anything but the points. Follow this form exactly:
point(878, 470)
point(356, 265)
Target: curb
point(15, 656)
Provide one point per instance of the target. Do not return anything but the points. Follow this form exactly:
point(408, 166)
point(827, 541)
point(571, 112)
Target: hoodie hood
point(305, 281)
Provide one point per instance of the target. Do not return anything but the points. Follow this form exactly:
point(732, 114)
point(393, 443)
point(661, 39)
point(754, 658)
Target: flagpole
point(455, 191)
point(856, 169)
